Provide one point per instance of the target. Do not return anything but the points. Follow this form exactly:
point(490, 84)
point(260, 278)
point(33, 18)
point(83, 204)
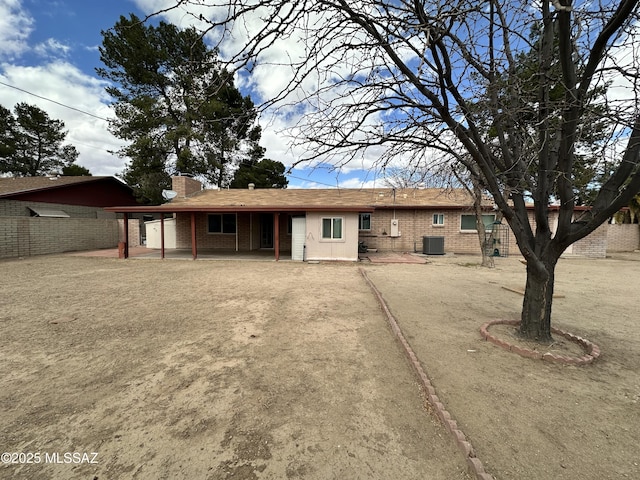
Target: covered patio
point(264, 242)
point(207, 254)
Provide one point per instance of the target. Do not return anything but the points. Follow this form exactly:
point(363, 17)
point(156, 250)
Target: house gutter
point(240, 208)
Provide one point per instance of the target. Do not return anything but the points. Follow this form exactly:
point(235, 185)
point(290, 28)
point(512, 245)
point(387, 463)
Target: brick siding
point(416, 224)
point(623, 237)
point(248, 227)
point(413, 224)
point(134, 231)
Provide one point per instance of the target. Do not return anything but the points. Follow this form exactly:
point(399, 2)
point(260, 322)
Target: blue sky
point(50, 48)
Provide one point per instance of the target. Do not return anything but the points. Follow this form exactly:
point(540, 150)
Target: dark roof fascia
point(430, 207)
point(242, 208)
point(55, 186)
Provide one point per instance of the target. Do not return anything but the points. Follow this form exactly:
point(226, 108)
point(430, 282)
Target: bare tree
point(406, 75)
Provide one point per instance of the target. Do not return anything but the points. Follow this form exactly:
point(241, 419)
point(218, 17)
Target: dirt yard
point(153, 369)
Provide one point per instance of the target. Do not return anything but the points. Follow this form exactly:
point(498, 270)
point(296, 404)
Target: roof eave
point(168, 208)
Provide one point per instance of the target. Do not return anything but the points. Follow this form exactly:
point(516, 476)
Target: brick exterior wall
point(134, 231)
point(413, 225)
point(416, 224)
point(248, 228)
point(26, 236)
point(623, 237)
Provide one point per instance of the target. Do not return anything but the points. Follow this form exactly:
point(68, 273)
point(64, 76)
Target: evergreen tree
point(31, 143)
point(265, 173)
point(175, 104)
point(76, 171)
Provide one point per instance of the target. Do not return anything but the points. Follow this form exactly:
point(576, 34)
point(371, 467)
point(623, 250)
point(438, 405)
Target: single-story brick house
point(328, 224)
point(40, 215)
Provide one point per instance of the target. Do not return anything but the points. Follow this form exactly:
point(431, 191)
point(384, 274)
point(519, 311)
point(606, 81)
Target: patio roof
point(301, 200)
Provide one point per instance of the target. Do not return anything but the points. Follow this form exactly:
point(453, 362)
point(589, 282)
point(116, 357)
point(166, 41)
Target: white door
point(298, 234)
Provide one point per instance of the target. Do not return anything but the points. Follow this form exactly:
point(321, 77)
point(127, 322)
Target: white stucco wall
point(317, 248)
point(153, 233)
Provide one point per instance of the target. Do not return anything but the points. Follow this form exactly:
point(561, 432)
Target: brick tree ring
point(591, 350)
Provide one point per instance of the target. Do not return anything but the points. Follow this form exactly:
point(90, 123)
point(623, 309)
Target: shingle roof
point(15, 185)
point(377, 198)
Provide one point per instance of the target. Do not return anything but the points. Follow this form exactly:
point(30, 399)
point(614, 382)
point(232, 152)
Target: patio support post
point(276, 232)
point(126, 235)
point(194, 247)
point(162, 235)
point(250, 231)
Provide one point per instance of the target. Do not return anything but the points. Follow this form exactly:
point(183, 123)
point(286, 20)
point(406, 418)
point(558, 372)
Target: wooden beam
point(194, 247)
point(276, 233)
point(126, 235)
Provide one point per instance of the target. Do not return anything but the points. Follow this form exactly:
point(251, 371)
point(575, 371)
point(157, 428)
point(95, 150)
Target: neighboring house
point(40, 215)
point(326, 224)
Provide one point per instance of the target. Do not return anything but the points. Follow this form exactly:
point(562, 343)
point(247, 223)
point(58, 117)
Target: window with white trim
point(221, 223)
point(364, 221)
point(468, 222)
point(438, 219)
point(332, 228)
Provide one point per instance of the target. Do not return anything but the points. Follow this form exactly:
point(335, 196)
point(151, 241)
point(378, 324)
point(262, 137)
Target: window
point(221, 223)
point(438, 218)
point(364, 221)
point(45, 212)
point(332, 228)
point(468, 222)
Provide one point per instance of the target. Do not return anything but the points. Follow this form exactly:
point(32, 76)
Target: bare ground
point(264, 370)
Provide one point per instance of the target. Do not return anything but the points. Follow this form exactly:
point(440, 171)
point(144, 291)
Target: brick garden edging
point(592, 351)
point(473, 463)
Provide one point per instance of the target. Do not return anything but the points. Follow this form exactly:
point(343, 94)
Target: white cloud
point(51, 48)
point(15, 27)
point(64, 83)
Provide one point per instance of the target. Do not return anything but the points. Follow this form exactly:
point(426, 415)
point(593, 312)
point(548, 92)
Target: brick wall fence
point(88, 228)
point(623, 237)
point(26, 236)
point(593, 245)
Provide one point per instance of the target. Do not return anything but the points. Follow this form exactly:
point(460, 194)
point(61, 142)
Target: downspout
point(236, 231)
point(162, 235)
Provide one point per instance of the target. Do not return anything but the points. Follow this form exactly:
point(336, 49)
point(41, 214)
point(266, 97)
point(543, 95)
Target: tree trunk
point(487, 257)
point(476, 191)
point(538, 296)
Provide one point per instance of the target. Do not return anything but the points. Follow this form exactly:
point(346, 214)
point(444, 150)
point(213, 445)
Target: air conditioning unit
point(433, 245)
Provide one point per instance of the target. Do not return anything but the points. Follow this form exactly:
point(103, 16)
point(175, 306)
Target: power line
point(53, 101)
point(106, 120)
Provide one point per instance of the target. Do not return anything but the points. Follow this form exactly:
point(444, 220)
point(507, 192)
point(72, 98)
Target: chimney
point(185, 186)
point(252, 186)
